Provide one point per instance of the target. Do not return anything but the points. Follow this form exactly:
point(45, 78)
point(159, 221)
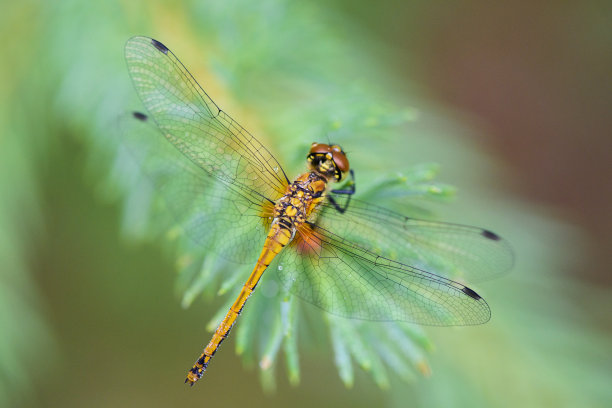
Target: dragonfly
point(348, 257)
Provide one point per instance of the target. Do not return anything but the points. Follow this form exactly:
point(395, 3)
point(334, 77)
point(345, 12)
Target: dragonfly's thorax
point(301, 200)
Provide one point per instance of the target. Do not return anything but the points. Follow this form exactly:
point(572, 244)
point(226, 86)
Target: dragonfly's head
point(330, 161)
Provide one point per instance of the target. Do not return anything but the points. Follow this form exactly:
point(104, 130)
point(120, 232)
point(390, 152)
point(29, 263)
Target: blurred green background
point(512, 100)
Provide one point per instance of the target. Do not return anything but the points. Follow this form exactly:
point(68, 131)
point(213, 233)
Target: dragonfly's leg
point(345, 191)
point(350, 184)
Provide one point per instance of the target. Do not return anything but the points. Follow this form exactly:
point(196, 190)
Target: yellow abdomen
point(290, 214)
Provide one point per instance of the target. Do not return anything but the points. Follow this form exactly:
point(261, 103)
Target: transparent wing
point(451, 250)
point(220, 218)
point(344, 279)
point(221, 183)
point(196, 126)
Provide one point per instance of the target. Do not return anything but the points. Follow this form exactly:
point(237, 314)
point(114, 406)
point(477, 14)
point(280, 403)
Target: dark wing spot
point(471, 293)
point(159, 46)
point(140, 116)
point(490, 235)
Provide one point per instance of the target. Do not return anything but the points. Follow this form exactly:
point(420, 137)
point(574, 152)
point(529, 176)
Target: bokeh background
point(512, 100)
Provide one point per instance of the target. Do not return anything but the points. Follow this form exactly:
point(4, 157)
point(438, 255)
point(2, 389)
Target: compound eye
point(341, 161)
point(319, 148)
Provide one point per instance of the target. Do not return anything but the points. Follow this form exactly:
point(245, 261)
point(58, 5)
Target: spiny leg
point(345, 191)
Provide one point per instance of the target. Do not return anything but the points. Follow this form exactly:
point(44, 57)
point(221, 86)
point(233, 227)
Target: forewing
point(451, 250)
point(347, 280)
point(195, 125)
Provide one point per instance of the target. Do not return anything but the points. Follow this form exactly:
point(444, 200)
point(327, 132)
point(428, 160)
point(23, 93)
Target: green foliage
point(351, 117)
point(203, 272)
point(292, 75)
